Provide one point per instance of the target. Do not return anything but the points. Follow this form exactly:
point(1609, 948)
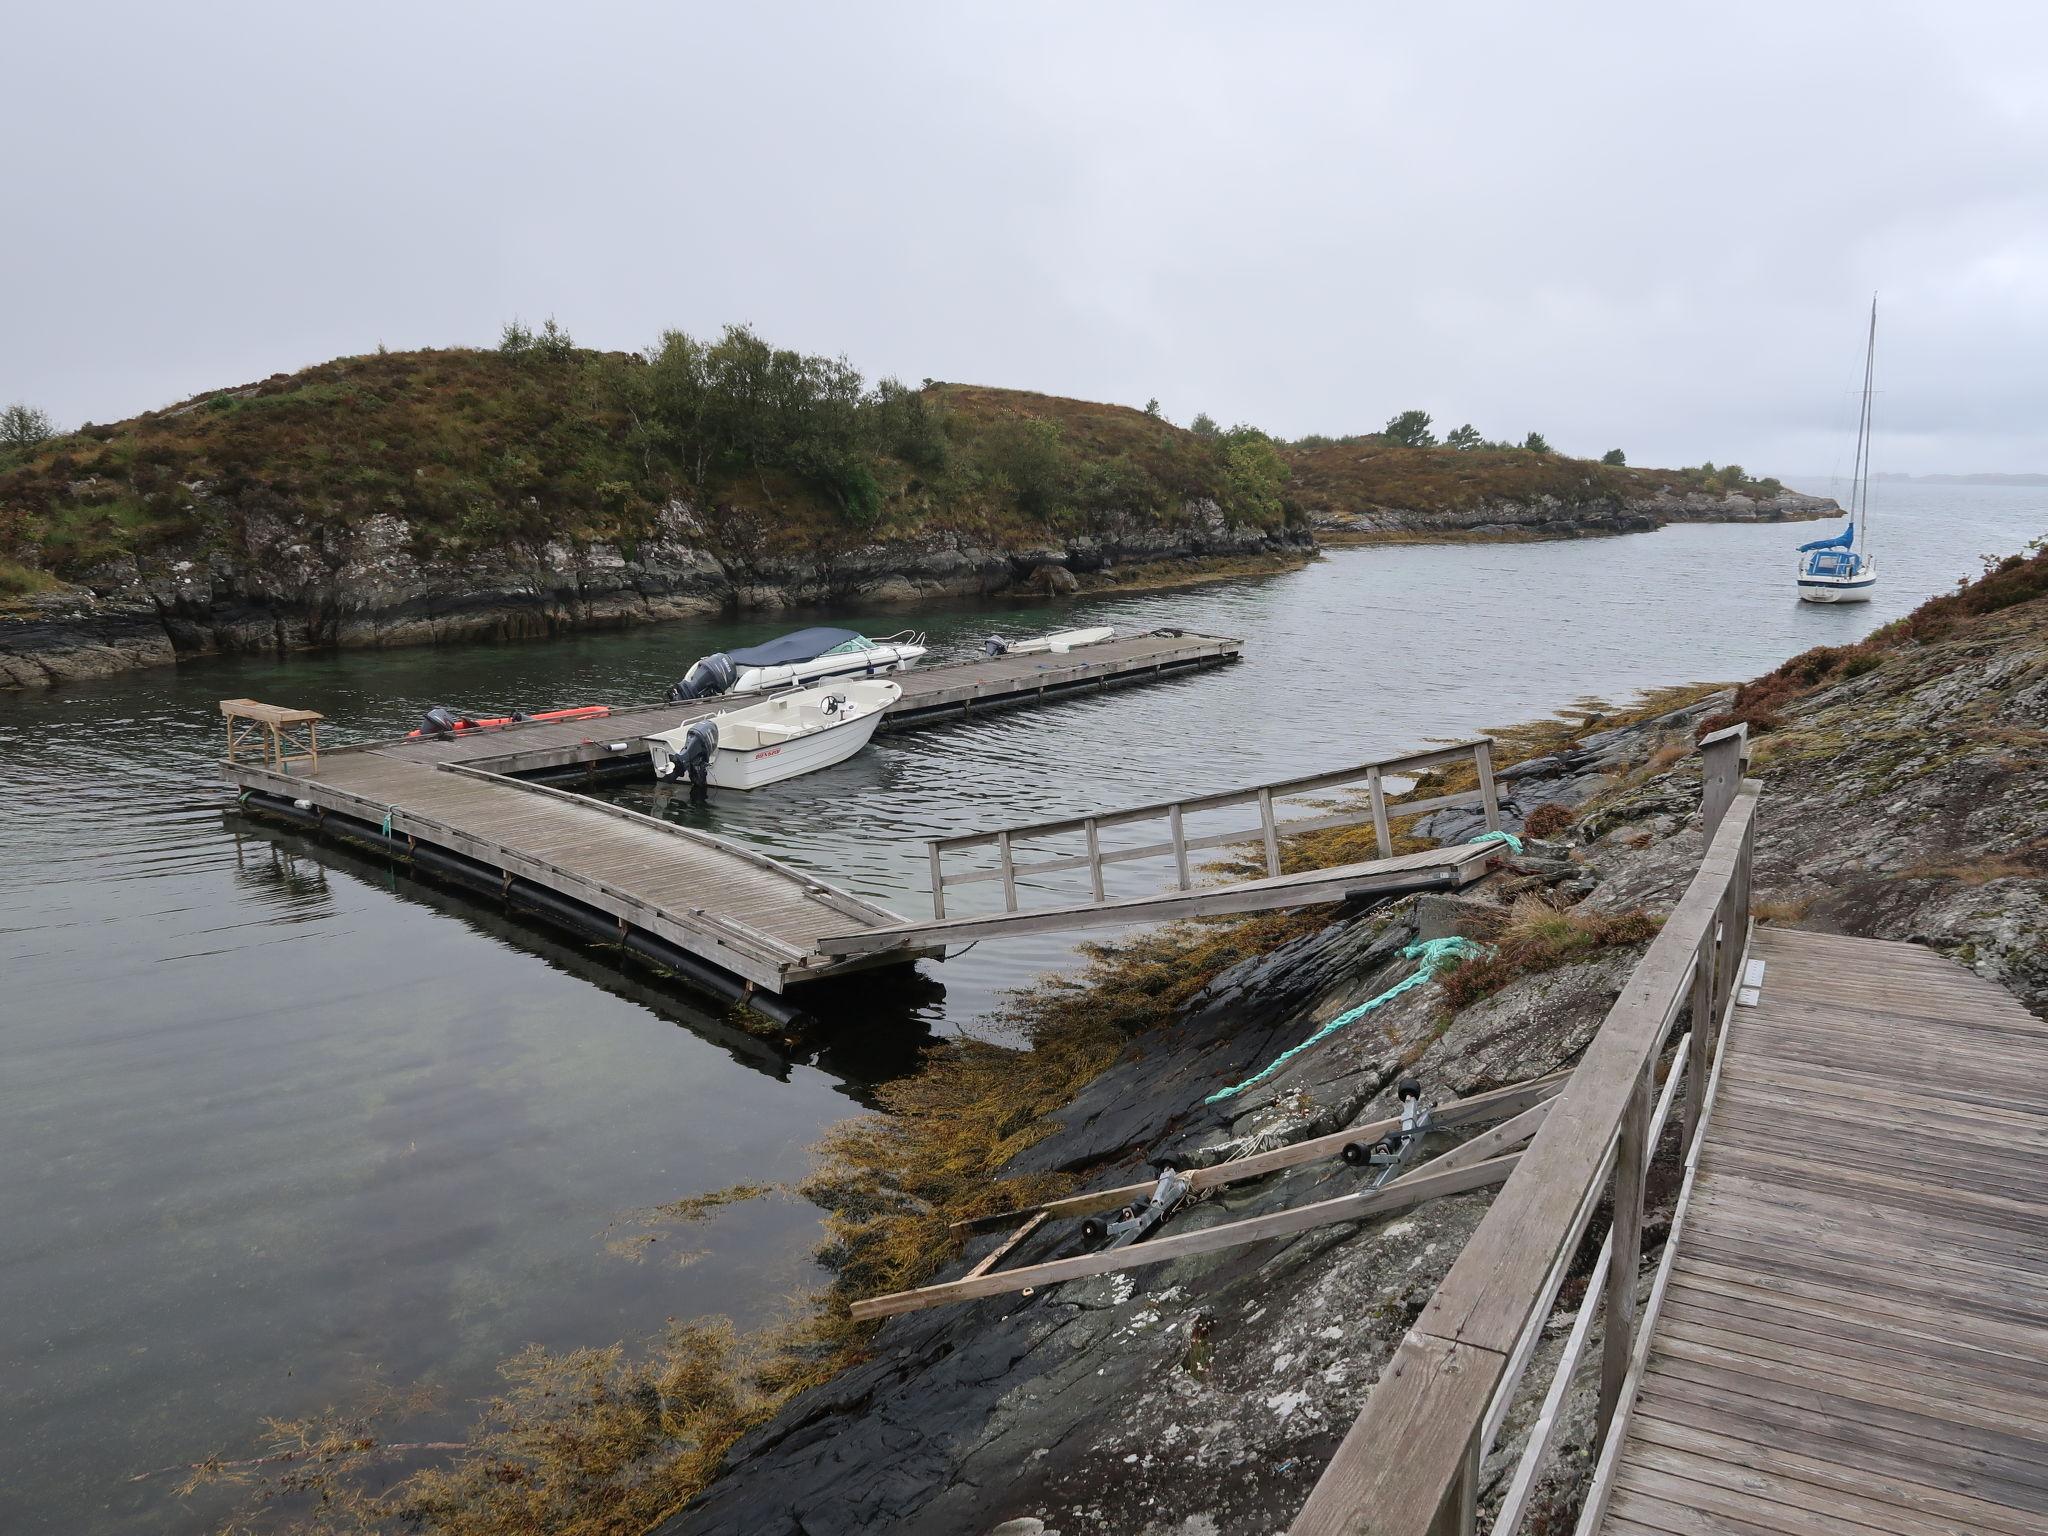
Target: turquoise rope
point(387, 819)
point(1514, 843)
point(1435, 955)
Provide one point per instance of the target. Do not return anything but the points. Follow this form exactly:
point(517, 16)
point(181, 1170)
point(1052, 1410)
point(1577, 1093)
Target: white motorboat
point(1057, 644)
point(799, 660)
point(1836, 570)
point(789, 734)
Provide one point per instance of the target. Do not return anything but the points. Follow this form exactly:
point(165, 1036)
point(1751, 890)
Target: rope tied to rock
point(1435, 954)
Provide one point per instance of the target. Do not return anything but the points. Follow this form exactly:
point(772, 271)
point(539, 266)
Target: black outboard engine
point(694, 759)
point(995, 645)
point(440, 721)
point(706, 680)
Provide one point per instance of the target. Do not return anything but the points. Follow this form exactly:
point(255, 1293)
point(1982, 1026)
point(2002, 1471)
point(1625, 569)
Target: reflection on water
point(277, 1119)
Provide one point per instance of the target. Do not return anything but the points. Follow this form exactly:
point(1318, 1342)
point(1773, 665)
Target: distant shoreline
point(1977, 479)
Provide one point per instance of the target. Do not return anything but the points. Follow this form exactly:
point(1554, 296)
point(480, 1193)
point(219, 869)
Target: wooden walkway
point(1847, 1332)
point(1852, 1335)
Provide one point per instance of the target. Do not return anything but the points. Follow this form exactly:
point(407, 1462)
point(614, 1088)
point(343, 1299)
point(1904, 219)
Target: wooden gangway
point(1847, 1332)
point(1021, 855)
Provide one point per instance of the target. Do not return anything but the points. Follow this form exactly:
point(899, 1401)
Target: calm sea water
point(278, 1123)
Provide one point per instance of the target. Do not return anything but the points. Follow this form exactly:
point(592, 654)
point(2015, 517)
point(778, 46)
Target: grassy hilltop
point(540, 441)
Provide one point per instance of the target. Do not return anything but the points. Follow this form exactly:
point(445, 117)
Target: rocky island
point(541, 488)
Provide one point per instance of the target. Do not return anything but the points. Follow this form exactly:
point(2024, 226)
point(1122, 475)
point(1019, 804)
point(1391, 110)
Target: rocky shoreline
point(1550, 517)
point(1202, 1397)
point(283, 591)
point(283, 588)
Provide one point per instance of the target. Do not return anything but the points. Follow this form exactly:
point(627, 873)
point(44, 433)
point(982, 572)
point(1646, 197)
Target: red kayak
point(441, 721)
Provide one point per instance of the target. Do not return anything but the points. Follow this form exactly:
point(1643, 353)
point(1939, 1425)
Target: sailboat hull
point(1848, 589)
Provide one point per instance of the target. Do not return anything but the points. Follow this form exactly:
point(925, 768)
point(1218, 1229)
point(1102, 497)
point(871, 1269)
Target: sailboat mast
point(1859, 489)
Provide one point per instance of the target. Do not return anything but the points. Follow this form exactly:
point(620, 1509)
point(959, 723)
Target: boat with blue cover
point(799, 659)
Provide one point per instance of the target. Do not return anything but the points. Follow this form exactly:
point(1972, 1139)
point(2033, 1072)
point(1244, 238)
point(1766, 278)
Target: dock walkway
point(1853, 1335)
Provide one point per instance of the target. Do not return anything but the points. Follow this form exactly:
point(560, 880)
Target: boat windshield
point(1833, 562)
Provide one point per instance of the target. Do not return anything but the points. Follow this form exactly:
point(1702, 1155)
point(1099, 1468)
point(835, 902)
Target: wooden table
point(272, 727)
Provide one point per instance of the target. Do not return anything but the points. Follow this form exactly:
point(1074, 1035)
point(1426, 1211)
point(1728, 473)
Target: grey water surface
point(279, 1123)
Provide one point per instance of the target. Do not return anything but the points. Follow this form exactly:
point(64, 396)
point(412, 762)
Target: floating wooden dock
point(466, 804)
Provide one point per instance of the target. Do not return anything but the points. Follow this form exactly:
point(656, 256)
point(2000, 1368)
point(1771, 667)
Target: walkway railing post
point(1631, 1162)
point(1723, 755)
point(1009, 870)
point(1459, 1515)
point(938, 880)
point(1378, 792)
point(1095, 860)
point(1272, 833)
point(1706, 1024)
point(1482, 759)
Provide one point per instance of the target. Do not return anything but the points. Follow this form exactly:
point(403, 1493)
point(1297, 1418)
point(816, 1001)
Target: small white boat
point(790, 734)
point(1836, 570)
point(1057, 644)
point(798, 660)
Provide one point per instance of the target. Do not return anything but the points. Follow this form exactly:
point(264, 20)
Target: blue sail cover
point(785, 649)
point(1841, 540)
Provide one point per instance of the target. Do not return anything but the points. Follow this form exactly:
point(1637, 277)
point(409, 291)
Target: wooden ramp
point(1433, 869)
point(1852, 1332)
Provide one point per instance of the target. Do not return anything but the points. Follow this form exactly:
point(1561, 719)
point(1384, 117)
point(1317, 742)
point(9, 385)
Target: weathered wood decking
point(1852, 1335)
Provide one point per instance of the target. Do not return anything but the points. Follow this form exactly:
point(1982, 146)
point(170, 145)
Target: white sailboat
point(788, 734)
point(1842, 569)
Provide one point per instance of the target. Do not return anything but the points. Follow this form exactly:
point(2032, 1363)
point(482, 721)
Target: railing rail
point(1179, 844)
point(1410, 1464)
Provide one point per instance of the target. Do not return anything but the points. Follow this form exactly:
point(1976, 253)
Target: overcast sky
point(1648, 226)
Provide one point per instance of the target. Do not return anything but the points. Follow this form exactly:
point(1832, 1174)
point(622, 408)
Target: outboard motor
point(995, 645)
point(439, 721)
point(695, 757)
point(706, 680)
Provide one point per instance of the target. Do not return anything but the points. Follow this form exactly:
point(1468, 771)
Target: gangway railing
point(1180, 844)
point(1409, 1465)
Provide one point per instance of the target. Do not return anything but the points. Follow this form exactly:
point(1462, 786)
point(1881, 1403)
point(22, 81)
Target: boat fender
point(711, 676)
point(440, 721)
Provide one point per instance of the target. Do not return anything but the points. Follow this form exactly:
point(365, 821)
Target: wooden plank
point(1398, 1196)
point(1315, 1149)
point(1003, 1249)
point(1725, 1456)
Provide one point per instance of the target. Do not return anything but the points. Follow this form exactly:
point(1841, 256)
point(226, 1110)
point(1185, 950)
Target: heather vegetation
point(540, 440)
